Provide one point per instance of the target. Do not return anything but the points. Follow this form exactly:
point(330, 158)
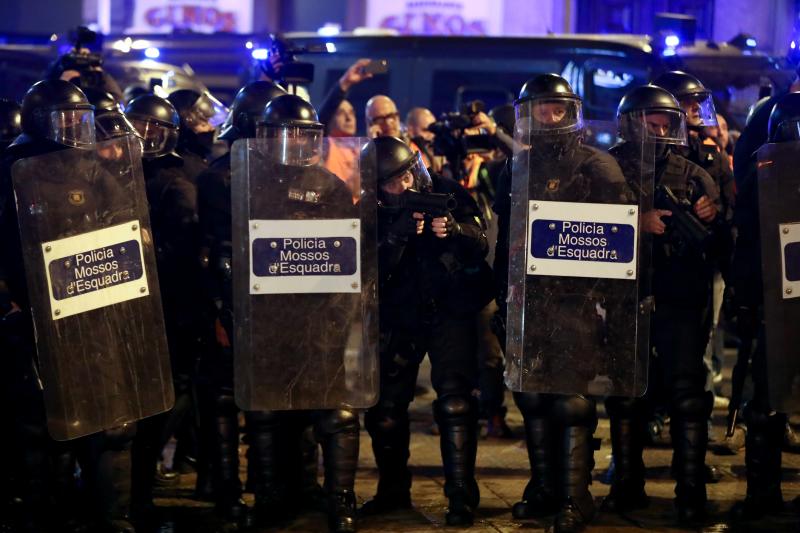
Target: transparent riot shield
point(578, 305)
point(304, 275)
point(779, 215)
point(93, 287)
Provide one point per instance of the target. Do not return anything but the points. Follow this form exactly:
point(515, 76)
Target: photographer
point(83, 67)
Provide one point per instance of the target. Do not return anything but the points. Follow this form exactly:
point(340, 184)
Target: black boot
point(310, 495)
point(105, 460)
point(577, 506)
point(763, 461)
point(627, 445)
point(389, 431)
point(229, 503)
point(263, 433)
point(144, 458)
point(337, 431)
point(457, 417)
point(539, 498)
point(689, 440)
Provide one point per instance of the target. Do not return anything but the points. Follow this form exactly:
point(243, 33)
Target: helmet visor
point(667, 126)
point(157, 139)
point(73, 127)
point(548, 116)
point(414, 177)
point(295, 146)
point(112, 125)
point(699, 109)
point(206, 114)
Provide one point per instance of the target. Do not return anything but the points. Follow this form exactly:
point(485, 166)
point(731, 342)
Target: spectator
point(336, 113)
point(383, 120)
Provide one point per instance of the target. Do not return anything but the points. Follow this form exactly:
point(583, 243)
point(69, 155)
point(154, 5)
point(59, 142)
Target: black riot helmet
point(294, 123)
point(549, 116)
point(692, 95)
point(157, 123)
point(247, 109)
point(10, 122)
point(109, 120)
point(784, 120)
point(199, 112)
point(504, 116)
point(650, 114)
point(57, 110)
point(398, 168)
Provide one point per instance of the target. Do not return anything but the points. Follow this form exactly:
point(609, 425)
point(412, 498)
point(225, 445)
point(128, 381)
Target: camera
point(454, 139)
point(87, 63)
point(291, 71)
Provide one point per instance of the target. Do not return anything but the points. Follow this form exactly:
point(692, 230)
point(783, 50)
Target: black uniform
point(46, 468)
point(681, 286)
point(431, 291)
point(765, 427)
point(559, 428)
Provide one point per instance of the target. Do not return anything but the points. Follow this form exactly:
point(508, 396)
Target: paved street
point(503, 473)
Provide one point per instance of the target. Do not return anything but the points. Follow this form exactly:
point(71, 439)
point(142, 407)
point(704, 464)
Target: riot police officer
point(558, 428)
point(765, 426)
point(55, 115)
point(173, 214)
point(309, 191)
point(433, 282)
point(698, 104)
point(266, 431)
point(200, 114)
point(650, 123)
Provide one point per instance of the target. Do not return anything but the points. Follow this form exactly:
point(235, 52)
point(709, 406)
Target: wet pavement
point(502, 474)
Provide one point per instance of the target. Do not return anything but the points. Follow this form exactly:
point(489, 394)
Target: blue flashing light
point(152, 52)
point(751, 42)
point(330, 47)
point(793, 45)
point(249, 45)
point(668, 52)
point(260, 53)
point(672, 41)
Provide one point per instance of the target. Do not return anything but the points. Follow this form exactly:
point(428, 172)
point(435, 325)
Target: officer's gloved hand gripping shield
point(304, 274)
point(578, 313)
point(91, 274)
point(779, 214)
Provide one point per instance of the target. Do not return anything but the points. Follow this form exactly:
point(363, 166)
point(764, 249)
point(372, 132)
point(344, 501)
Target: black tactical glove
point(403, 226)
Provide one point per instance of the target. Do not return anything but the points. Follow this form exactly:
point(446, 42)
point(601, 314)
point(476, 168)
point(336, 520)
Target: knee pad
point(694, 407)
point(455, 407)
point(574, 410)
point(120, 438)
point(337, 421)
point(533, 404)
